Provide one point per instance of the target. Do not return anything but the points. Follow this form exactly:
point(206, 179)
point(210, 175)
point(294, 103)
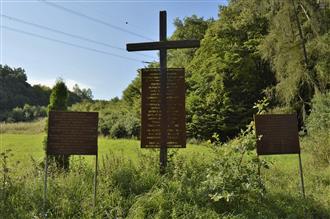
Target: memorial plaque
point(175, 108)
point(72, 133)
point(279, 134)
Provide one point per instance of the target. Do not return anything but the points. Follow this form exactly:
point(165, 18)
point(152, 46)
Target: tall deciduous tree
point(187, 29)
point(84, 93)
point(15, 91)
point(227, 72)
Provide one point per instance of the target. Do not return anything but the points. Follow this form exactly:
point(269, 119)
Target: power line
point(66, 33)
point(68, 43)
point(93, 19)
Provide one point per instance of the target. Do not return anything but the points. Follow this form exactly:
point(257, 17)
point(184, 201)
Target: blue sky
point(106, 75)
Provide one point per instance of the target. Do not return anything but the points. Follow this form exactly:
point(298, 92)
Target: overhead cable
point(68, 43)
point(97, 20)
point(66, 33)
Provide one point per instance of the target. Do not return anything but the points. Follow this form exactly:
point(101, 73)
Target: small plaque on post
point(278, 134)
point(72, 133)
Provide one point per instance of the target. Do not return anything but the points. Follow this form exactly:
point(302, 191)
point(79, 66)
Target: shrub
point(103, 127)
point(26, 113)
point(16, 115)
point(319, 118)
point(118, 130)
point(116, 119)
point(132, 126)
point(318, 127)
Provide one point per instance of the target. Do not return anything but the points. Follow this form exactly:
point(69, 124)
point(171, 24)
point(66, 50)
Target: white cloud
point(51, 82)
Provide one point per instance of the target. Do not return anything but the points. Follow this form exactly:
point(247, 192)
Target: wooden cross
point(163, 45)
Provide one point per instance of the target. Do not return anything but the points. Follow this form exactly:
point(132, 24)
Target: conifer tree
point(59, 102)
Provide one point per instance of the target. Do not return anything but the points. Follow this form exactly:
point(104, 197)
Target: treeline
point(19, 101)
point(277, 50)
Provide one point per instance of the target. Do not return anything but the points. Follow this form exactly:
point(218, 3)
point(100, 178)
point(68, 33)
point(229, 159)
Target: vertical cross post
point(163, 45)
point(163, 80)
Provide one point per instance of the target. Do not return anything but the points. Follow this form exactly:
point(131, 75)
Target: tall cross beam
point(163, 45)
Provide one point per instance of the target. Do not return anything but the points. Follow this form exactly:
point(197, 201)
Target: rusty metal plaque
point(175, 108)
point(72, 133)
point(279, 134)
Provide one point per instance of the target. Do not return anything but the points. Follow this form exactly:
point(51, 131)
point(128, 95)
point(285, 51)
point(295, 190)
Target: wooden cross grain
point(163, 45)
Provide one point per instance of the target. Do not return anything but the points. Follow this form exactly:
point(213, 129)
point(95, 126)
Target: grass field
point(25, 140)
point(281, 179)
point(26, 147)
point(35, 127)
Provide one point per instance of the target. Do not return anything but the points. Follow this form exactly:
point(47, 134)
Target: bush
point(116, 119)
point(132, 126)
point(319, 118)
point(103, 127)
point(16, 115)
point(27, 113)
point(318, 127)
point(118, 130)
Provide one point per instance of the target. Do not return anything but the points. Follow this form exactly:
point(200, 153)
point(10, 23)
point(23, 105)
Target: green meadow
point(131, 187)
point(26, 147)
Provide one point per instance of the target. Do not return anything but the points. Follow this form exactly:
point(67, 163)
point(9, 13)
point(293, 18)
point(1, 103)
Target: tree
point(14, 89)
point(297, 46)
point(133, 90)
point(228, 74)
point(187, 29)
point(15, 92)
point(59, 102)
point(84, 94)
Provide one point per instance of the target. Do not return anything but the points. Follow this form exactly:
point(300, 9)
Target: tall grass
point(219, 181)
point(35, 127)
point(194, 187)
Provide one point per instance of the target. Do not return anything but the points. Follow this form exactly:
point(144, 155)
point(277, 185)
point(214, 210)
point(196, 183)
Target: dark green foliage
point(227, 73)
point(15, 92)
point(116, 117)
point(118, 130)
point(59, 102)
point(59, 97)
point(299, 74)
